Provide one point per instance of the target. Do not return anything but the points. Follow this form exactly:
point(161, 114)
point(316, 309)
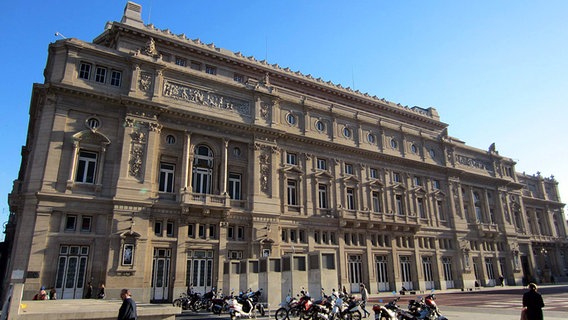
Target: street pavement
point(500, 303)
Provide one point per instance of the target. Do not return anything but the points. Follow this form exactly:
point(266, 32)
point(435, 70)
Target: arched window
point(202, 169)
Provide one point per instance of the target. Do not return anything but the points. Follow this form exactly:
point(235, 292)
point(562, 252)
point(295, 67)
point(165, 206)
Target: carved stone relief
point(180, 92)
point(145, 81)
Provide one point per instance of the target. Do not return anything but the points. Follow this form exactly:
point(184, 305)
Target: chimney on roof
point(132, 14)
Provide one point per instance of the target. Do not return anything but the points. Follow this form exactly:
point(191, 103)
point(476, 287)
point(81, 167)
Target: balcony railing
point(208, 200)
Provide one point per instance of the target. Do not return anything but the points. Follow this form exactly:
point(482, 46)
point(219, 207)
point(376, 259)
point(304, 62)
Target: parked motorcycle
point(294, 308)
point(220, 303)
point(424, 308)
point(389, 311)
point(246, 305)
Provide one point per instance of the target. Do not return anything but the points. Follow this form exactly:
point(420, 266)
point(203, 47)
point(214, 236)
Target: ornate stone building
point(155, 162)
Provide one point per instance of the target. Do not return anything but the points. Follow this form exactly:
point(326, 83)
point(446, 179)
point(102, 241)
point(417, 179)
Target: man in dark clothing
point(128, 308)
point(533, 303)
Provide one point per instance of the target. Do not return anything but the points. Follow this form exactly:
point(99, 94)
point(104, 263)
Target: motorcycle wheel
point(293, 314)
point(216, 309)
point(281, 314)
point(197, 305)
point(177, 303)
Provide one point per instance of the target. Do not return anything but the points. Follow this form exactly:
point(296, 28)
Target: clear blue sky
point(496, 70)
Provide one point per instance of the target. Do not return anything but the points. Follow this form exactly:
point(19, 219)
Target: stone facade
point(155, 162)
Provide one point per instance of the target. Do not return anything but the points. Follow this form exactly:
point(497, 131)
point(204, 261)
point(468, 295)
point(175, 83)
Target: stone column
point(224, 173)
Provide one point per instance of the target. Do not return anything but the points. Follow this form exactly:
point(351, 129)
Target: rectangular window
point(348, 168)
point(235, 186)
point(421, 212)
point(191, 230)
point(441, 210)
point(70, 222)
point(328, 261)
point(399, 204)
point(100, 75)
point(170, 229)
point(181, 61)
point(292, 196)
point(300, 263)
point(239, 78)
point(293, 235)
point(85, 71)
point(128, 255)
point(376, 201)
point(291, 158)
point(166, 183)
point(302, 236)
point(201, 231)
point(240, 233)
point(212, 231)
point(322, 164)
point(396, 177)
point(436, 184)
point(373, 173)
point(284, 235)
point(210, 70)
point(195, 65)
point(86, 223)
point(350, 199)
point(86, 167)
point(231, 233)
point(158, 228)
point(116, 78)
point(322, 195)
point(417, 181)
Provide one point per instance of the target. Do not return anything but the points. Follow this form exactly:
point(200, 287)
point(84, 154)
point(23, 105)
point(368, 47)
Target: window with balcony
point(322, 196)
point(202, 169)
point(376, 199)
point(399, 204)
point(350, 199)
point(292, 193)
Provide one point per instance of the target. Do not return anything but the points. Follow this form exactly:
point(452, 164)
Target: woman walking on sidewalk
point(533, 303)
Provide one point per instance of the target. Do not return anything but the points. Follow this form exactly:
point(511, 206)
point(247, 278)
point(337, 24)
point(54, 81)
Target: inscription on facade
point(209, 99)
point(470, 162)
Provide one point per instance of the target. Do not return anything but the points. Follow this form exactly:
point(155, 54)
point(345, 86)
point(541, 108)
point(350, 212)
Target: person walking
point(127, 310)
point(533, 303)
point(364, 299)
point(89, 293)
point(101, 294)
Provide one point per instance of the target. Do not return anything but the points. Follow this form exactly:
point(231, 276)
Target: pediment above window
point(399, 187)
point(292, 170)
point(438, 194)
point(129, 234)
point(91, 138)
point(351, 179)
point(376, 183)
point(420, 190)
point(323, 175)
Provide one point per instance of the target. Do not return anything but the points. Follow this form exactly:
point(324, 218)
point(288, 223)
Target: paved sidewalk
point(473, 313)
